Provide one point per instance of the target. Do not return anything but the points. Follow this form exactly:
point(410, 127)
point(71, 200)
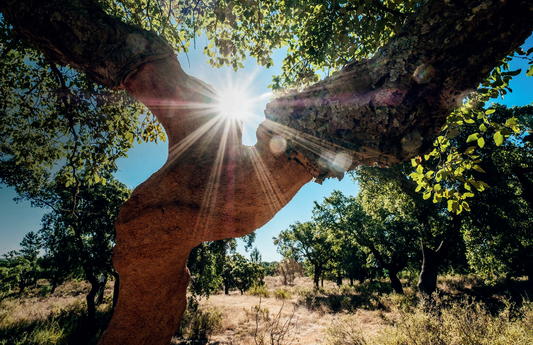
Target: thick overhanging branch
point(383, 110)
point(391, 107)
point(80, 34)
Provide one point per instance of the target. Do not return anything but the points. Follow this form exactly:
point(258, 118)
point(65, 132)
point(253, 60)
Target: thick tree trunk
point(383, 110)
point(427, 282)
point(339, 279)
point(395, 282)
point(91, 306)
point(316, 276)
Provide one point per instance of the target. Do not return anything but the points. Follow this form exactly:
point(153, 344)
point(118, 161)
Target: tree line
point(390, 227)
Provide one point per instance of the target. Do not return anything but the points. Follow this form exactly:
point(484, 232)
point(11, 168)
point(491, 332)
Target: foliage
point(289, 269)
point(80, 125)
point(282, 294)
point(450, 171)
point(206, 263)
point(200, 323)
point(319, 36)
point(270, 268)
point(307, 241)
point(14, 270)
point(21, 268)
point(259, 290)
point(241, 273)
point(497, 232)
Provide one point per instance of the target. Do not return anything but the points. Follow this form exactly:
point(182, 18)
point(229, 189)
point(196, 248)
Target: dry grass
point(37, 306)
point(305, 315)
point(298, 314)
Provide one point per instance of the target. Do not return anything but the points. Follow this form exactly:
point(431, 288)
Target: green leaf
point(427, 195)
point(529, 72)
point(420, 169)
point(498, 138)
point(472, 137)
point(478, 168)
point(489, 111)
point(481, 142)
point(450, 205)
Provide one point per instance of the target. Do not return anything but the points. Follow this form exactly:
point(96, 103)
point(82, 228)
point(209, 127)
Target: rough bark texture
point(390, 108)
point(384, 110)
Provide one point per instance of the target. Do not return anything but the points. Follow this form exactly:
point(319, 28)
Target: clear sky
point(146, 158)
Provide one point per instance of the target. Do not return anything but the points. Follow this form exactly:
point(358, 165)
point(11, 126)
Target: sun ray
point(209, 200)
point(269, 187)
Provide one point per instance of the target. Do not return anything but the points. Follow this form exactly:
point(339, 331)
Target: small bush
point(345, 331)
point(273, 329)
point(305, 292)
point(201, 323)
point(44, 290)
point(282, 294)
point(259, 290)
point(346, 290)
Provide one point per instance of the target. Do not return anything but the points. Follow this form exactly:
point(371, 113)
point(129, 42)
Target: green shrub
point(346, 290)
point(345, 331)
point(259, 290)
point(201, 323)
point(282, 294)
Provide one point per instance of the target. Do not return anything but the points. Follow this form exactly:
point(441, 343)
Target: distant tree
point(30, 245)
point(288, 269)
point(255, 256)
point(21, 268)
point(15, 270)
point(270, 268)
point(308, 241)
point(241, 273)
point(206, 264)
point(437, 230)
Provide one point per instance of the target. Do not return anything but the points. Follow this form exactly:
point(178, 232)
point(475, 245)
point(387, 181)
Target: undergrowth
point(67, 325)
point(456, 323)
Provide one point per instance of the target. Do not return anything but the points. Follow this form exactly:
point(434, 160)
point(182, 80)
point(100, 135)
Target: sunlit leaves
point(456, 155)
point(55, 119)
point(320, 36)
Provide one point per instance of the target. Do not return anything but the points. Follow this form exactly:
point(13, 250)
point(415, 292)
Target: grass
point(38, 318)
point(458, 323)
point(466, 311)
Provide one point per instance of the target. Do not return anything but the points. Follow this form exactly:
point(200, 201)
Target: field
point(465, 312)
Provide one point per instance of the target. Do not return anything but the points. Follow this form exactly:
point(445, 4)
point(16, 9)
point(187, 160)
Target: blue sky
point(145, 159)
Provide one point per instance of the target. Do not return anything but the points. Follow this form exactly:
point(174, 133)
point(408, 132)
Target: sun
point(234, 104)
